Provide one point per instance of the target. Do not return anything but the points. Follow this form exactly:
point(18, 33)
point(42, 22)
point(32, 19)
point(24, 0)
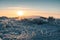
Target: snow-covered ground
point(26, 29)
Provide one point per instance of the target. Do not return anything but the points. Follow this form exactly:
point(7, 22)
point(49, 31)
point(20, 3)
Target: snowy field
point(29, 29)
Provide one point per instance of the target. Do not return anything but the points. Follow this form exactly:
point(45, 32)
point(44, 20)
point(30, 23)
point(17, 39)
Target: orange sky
point(12, 12)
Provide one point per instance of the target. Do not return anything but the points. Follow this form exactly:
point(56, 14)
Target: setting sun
point(20, 13)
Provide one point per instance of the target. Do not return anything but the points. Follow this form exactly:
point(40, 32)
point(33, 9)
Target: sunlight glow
point(20, 13)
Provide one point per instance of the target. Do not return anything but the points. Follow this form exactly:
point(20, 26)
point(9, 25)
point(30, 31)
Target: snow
point(36, 29)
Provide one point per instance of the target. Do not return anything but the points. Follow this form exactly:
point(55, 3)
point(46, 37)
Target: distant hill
point(32, 16)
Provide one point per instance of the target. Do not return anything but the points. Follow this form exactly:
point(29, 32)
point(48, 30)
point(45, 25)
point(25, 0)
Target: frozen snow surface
point(29, 29)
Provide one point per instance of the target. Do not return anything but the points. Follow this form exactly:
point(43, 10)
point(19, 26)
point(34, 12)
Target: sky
point(30, 7)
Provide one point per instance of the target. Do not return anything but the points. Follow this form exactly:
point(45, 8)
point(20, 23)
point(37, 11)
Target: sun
point(20, 13)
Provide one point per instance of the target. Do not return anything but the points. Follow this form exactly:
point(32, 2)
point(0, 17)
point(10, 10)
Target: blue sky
point(50, 5)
